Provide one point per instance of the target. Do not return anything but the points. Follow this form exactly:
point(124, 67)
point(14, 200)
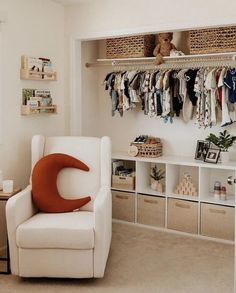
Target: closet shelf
point(219, 59)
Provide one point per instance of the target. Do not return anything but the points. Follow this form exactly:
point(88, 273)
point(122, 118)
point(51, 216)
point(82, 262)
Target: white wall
point(100, 19)
point(34, 28)
point(111, 17)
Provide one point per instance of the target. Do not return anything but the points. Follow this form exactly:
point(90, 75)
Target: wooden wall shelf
point(27, 74)
point(27, 110)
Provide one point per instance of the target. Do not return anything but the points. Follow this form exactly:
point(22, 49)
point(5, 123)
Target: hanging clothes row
point(196, 93)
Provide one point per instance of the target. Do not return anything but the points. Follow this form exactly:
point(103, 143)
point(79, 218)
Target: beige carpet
point(143, 260)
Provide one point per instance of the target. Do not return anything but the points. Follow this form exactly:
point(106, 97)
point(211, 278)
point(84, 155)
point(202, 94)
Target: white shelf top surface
point(230, 201)
point(150, 191)
point(196, 56)
point(175, 160)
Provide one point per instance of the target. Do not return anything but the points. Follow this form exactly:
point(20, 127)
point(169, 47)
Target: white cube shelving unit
point(203, 176)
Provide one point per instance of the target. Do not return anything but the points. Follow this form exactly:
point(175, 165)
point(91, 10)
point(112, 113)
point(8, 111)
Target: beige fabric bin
point(217, 221)
point(151, 210)
point(182, 215)
point(123, 206)
point(123, 182)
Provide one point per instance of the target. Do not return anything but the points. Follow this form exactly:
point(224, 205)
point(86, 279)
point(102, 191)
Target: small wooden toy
point(186, 186)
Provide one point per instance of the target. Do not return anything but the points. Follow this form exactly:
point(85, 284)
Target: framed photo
point(201, 149)
point(212, 155)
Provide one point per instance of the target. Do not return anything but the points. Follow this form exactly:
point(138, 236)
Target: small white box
point(7, 186)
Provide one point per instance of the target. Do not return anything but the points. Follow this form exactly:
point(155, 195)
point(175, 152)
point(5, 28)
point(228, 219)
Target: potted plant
point(223, 141)
point(157, 176)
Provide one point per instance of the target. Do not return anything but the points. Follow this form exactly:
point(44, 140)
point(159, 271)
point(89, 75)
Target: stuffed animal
point(163, 47)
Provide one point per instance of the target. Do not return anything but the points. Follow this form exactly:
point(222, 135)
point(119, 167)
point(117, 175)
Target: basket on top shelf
point(144, 146)
point(213, 40)
point(130, 47)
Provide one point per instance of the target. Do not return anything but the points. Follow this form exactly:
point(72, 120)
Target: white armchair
point(68, 245)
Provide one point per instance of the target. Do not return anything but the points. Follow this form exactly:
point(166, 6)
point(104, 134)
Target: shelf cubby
point(208, 176)
point(175, 174)
point(124, 183)
point(144, 180)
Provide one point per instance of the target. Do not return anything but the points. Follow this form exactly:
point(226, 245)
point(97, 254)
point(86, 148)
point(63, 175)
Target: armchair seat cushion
point(73, 230)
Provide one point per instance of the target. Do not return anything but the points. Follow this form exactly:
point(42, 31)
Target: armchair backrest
point(73, 183)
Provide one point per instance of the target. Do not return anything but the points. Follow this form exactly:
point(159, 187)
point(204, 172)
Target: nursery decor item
point(223, 141)
point(157, 175)
point(148, 146)
point(212, 155)
point(186, 186)
point(133, 151)
point(217, 189)
point(201, 149)
point(44, 184)
point(163, 47)
point(223, 195)
point(213, 40)
point(130, 47)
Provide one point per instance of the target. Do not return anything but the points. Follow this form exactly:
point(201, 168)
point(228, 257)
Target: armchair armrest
point(103, 230)
point(19, 208)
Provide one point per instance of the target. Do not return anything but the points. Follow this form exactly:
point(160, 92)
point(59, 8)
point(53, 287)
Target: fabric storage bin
point(123, 182)
point(130, 47)
point(217, 221)
point(151, 210)
point(123, 206)
point(182, 215)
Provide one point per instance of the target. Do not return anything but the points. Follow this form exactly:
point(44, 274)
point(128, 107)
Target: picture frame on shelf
point(212, 155)
point(202, 149)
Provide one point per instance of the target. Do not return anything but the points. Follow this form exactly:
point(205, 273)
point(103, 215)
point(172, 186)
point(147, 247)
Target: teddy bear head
point(165, 38)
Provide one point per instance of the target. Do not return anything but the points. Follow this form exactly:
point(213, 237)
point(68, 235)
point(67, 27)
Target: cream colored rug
point(145, 260)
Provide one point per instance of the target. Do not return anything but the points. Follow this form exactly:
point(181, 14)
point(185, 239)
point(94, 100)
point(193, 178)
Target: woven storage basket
point(153, 150)
point(130, 47)
point(214, 40)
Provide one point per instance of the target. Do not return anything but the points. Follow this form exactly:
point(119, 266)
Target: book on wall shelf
point(35, 101)
point(35, 68)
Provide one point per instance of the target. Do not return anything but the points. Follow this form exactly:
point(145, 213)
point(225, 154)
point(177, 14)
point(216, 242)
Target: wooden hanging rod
point(186, 59)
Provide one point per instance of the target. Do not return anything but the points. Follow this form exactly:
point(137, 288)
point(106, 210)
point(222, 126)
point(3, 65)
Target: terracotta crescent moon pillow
point(44, 184)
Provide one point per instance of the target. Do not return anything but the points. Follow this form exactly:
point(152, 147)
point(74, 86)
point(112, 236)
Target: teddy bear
point(164, 47)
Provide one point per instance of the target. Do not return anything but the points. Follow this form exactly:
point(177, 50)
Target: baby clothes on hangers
point(190, 75)
point(226, 120)
point(187, 105)
point(124, 89)
point(199, 88)
point(117, 88)
point(211, 86)
point(218, 89)
point(230, 82)
point(164, 93)
point(206, 93)
point(158, 94)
